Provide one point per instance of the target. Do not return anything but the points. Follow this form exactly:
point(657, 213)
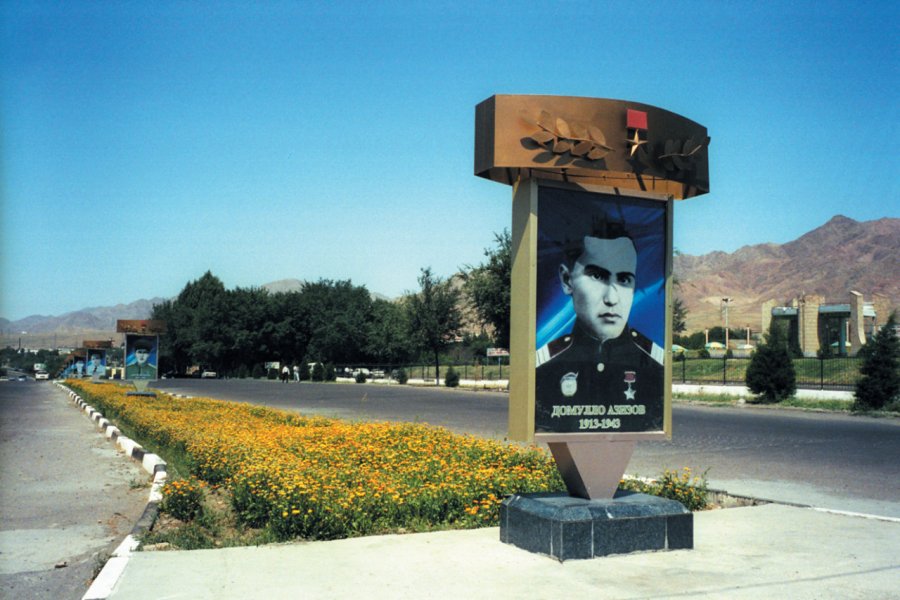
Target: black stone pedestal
point(564, 527)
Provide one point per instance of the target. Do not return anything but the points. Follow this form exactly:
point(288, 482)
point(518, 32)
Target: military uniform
point(136, 371)
point(583, 385)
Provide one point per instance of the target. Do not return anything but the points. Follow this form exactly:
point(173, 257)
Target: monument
point(594, 182)
point(96, 363)
point(141, 351)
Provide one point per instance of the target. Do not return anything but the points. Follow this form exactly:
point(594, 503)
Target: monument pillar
point(594, 182)
point(857, 323)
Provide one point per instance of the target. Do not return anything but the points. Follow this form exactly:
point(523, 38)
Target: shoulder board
point(551, 349)
point(647, 346)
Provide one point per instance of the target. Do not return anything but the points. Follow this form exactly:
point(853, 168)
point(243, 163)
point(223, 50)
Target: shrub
point(451, 378)
point(770, 374)
point(304, 370)
point(329, 372)
point(879, 385)
point(318, 372)
point(692, 492)
point(704, 353)
point(401, 376)
point(183, 499)
point(242, 372)
point(258, 371)
point(272, 374)
point(360, 377)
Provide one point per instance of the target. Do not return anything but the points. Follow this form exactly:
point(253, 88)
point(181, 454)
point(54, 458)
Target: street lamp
point(725, 302)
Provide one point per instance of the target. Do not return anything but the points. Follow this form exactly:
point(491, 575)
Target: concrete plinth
point(564, 527)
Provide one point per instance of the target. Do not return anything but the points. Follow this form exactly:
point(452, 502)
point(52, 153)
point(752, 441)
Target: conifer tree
point(770, 374)
point(880, 381)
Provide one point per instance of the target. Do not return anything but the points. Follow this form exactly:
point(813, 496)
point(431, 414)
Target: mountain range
point(841, 255)
point(829, 261)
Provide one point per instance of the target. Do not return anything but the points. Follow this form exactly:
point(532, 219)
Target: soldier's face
point(601, 283)
point(141, 356)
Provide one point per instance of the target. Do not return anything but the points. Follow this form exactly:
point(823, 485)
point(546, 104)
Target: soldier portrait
point(601, 313)
point(140, 361)
point(96, 366)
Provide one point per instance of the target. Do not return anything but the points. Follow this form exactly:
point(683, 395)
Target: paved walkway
point(67, 498)
point(770, 551)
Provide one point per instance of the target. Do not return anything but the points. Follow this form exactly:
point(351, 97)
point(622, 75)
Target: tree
point(679, 316)
point(488, 287)
point(679, 312)
point(770, 374)
point(880, 381)
point(318, 372)
point(387, 333)
point(195, 324)
point(434, 317)
point(335, 315)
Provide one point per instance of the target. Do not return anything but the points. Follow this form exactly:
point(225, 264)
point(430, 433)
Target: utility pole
point(725, 302)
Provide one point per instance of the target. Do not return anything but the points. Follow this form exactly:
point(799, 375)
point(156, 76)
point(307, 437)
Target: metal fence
point(837, 373)
point(474, 371)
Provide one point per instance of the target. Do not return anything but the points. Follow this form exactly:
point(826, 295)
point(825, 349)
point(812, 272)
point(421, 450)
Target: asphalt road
point(826, 460)
point(66, 496)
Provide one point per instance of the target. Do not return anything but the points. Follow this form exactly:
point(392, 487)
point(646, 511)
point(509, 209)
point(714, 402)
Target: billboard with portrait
point(96, 362)
point(141, 356)
point(601, 312)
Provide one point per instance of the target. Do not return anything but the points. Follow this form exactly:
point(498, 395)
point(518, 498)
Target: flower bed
point(321, 478)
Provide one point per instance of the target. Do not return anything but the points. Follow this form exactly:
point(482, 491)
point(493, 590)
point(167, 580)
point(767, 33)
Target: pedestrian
point(296, 373)
point(285, 372)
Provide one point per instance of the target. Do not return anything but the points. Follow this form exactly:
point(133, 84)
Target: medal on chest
point(630, 380)
point(568, 384)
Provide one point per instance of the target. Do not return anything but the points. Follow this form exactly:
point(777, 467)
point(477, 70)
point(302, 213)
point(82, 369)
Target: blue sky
point(145, 143)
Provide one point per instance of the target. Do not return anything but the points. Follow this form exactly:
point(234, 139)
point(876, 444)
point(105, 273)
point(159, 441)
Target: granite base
point(565, 527)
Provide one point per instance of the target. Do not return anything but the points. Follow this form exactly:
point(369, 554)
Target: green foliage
point(335, 317)
point(401, 376)
point(879, 385)
point(183, 498)
point(360, 377)
point(691, 491)
point(451, 378)
point(771, 374)
point(488, 288)
point(318, 372)
point(679, 316)
point(24, 361)
point(329, 372)
point(387, 334)
point(242, 372)
point(272, 374)
point(304, 370)
point(258, 371)
point(434, 317)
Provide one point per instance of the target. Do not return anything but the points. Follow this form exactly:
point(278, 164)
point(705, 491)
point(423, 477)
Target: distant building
point(838, 328)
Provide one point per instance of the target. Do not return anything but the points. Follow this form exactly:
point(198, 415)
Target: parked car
point(209, 375)
point(42, 375)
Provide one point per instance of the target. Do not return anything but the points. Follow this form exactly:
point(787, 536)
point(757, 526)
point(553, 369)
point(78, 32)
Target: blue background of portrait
point(566, 211)
point(131, 340)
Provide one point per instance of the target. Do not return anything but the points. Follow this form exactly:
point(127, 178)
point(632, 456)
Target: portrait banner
point(600, 312)
point(141, 356)
point(96, 363)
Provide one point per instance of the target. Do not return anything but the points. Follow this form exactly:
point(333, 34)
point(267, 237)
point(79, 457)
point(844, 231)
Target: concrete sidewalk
point(771, 551)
